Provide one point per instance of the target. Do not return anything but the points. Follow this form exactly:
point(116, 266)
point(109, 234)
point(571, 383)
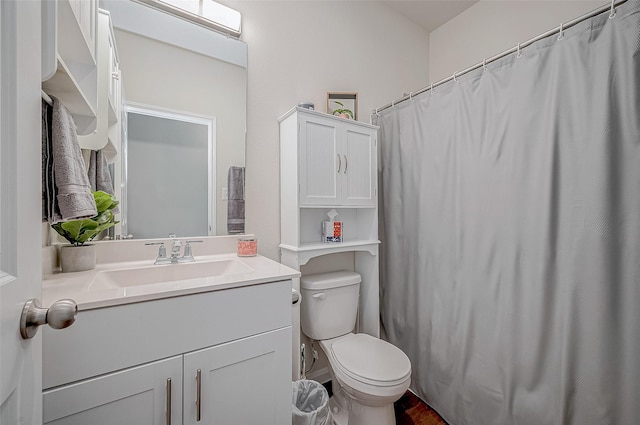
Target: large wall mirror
point(169, 64)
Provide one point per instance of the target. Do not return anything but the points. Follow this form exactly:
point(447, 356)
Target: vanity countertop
point(100, 288)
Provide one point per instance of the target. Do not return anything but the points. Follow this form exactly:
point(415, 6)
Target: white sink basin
point(124, 278)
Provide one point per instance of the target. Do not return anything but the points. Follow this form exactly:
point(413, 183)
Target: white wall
point(297, 52)
point(490, 27)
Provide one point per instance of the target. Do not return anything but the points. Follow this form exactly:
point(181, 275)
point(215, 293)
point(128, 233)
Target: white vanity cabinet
point(336, 163)
point(227, 354)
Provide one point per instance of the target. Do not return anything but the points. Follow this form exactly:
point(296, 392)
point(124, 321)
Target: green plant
point(80, 231)
point(342, 110)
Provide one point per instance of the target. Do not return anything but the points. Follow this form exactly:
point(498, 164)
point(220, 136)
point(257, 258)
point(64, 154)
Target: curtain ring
point(613, 10)
point(561, 35)
point(377, 113)
point(393, 105)
point(484, 64)
point(454, 77)
point(411, 96)
point(519, 53)
point(431, 89)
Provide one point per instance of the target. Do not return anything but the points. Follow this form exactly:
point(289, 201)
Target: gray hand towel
point(235, 205)
point(50, 210)
point(74, 196)
point(99, 175)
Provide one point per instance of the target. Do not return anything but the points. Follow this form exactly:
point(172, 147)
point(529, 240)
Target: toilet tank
point(329, 304)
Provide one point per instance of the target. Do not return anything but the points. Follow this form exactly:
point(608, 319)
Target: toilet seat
point(369, 360)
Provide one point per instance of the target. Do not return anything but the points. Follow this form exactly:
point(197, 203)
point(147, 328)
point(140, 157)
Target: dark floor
point(410, 410)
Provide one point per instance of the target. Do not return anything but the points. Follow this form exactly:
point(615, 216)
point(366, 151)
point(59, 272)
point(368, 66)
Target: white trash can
point(310, 403)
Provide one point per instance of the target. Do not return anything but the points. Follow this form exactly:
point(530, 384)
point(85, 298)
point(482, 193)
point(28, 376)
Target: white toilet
point(368, 374)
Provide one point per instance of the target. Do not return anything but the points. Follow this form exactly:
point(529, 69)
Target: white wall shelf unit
point(69, 61)
point(106, 135)
point(329, 163)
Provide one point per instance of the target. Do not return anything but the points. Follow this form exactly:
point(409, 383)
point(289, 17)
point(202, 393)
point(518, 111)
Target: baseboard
point(320, 375)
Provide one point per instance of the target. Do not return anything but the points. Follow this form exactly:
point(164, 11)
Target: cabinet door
point(320, 164)
point(359, 152)
point(133, 396)
point(244, 382)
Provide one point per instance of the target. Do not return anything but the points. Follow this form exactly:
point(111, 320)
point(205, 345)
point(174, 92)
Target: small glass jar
point(247, 246)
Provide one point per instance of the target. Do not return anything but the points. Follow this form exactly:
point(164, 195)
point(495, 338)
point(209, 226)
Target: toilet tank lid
point(329, 280)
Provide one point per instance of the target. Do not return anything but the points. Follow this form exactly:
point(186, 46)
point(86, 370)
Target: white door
point(20, 209)
point(360, 173)
point(244, 382)
point(320, 163)
point(148, 394)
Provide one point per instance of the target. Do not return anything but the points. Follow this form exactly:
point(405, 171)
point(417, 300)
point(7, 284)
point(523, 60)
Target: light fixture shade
point(204, 12)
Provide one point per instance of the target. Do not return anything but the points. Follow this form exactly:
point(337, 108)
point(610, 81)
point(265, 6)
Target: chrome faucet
point(175, 250)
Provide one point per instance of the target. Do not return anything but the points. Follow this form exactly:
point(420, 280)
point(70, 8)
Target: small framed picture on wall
point(343, 104)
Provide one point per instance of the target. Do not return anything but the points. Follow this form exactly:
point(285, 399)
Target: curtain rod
point(558, 30)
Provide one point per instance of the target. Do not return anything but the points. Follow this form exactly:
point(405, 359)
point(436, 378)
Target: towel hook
point(561, 35)
point(519, 53)
point(613, 10)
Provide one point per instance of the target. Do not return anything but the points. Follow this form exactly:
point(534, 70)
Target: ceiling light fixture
point(204, 12)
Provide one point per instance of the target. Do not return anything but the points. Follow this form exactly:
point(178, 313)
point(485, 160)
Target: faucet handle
point(187, 257)
point(162, 252)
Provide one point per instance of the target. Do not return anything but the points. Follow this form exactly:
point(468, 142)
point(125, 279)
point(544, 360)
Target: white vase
point(77, 258)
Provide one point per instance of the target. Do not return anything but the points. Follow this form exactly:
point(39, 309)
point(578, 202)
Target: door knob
point(60, 315)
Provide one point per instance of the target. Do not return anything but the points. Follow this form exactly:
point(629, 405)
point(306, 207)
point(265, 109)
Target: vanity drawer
point(113, 338)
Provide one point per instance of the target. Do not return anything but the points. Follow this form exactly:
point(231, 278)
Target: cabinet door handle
point(198, 395)
point(339, 162)
point(168, 418)
point(346, 164)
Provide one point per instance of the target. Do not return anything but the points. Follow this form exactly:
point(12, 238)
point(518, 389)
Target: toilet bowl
point(368, 374)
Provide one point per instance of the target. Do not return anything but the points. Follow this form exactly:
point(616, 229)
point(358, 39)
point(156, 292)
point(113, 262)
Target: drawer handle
point(198, 395)
point(168, 418)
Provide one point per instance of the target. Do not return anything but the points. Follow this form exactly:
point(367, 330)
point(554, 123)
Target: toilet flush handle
point(320, 296)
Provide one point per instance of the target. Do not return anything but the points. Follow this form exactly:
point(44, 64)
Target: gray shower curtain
point(511, 233)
